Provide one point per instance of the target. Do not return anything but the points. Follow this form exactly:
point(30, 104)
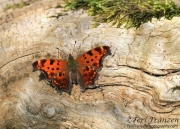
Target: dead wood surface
point(134, 84)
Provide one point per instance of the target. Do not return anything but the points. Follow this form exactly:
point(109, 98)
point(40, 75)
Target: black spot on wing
point(90, 53)
point(42, 62)
point(51, 61)
point(38, 63)
point(34, 65)
point(107, 48)
point(87, 68)
point(104, 52)
point(60, 74)
point(98, 49)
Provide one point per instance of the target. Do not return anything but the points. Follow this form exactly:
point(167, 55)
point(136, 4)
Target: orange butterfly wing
point(55, 71)
point(89, 63)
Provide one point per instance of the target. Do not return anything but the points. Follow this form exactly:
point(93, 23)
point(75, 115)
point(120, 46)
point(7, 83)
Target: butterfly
point(82, 70)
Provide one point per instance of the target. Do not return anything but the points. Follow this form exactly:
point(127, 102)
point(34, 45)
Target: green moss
point(15, 6)
point(7, 7)
point(175, 88)
point(21, 4)
point(130, 13)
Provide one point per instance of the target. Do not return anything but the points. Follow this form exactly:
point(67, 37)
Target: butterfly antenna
point(61, 51)
point(73, 48)
point(58, 52)
point(80, 49)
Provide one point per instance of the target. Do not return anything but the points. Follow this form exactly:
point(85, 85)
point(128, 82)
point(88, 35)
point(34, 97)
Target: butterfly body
point(72, 64)
point(82, 70)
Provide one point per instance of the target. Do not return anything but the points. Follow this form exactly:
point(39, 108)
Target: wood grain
point(134, 87)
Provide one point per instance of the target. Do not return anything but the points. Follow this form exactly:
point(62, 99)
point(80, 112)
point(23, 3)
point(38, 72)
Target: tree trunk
point(134, 86)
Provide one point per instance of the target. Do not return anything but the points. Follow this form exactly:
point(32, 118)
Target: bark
point(134, 86)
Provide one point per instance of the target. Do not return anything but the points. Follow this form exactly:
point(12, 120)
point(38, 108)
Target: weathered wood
point(134, 87)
